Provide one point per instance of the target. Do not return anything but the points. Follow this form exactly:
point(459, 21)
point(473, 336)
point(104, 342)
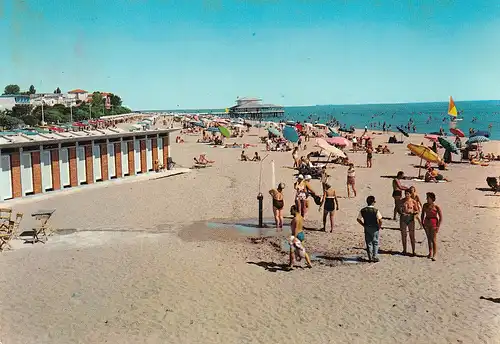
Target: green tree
point(9, 122)
point(57, 91)
point(11, 89)
point(32, 90)
point(116, 100)
point(24, 113)
point(97, 100)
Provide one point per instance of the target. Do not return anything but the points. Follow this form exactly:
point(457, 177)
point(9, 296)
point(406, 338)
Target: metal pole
point(90, 106)
point(43, 117)
point(260, 197)
point(71, 113)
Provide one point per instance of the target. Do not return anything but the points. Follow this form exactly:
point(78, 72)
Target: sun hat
point(300, 176)
point(308, 177)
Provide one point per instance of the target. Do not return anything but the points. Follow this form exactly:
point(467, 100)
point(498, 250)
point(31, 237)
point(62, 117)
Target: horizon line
point(351, 104)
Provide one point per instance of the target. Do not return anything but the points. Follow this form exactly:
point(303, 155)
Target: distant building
point(7, 102)
point(253, 108)
point(78, 94)
point(52, 99)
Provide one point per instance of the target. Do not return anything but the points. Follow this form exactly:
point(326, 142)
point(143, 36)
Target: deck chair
point(5, 217)
point(11, 233)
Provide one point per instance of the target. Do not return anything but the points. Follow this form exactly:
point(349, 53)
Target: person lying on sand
point(297, 250)
point(434, 176)
point(386, 150)
point(202, 160)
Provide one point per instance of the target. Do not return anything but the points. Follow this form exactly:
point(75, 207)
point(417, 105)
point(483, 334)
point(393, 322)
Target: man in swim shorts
point(297, 239)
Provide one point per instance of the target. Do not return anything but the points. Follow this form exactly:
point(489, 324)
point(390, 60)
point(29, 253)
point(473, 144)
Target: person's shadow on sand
point(492, 299)
point(392, 252)
point(272, 266)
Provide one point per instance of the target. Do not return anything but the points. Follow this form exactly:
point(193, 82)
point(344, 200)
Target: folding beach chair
point(43, 229)
point(10, 233)
point(5, 216)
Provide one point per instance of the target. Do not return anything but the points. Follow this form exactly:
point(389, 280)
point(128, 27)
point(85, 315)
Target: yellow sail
point(452, 109)
point(227, 110)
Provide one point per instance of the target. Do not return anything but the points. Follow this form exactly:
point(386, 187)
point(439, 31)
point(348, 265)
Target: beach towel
point(422, 180)
point(300, 251)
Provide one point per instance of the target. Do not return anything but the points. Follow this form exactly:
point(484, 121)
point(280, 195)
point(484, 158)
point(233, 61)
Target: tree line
point(31, 115)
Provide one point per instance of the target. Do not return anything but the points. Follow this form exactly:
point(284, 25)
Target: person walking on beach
point(408, 210)
point(431, 218)
point(297, 239)
point(329, 201)
point(295, 156)
point(369, 156)
point(351, 180)
point(278, 205)
point(370, 218)
point(397, 189)
point(301, 192)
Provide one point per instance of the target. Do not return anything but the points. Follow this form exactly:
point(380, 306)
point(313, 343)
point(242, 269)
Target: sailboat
point(452, 111)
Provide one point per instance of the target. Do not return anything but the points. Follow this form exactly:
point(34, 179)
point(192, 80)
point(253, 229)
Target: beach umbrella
point(213, 130)
point(448, 145)
point(225, 132)
point(457, 132)
point(198, 124)
point(402, 131)
point(477, 139)
point(319, 125)
point(480, 133)
point(332, 134)
point(299, 127)
point(274, 131)
point(338, 141)
point(431, 137)
point(290, 122)
point(330, 149)
point(290, 134)
point(424, 153)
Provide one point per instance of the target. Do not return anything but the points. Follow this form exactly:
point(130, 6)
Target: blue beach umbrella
point(198, 124)
point(290, 134)
point(213, 130)
point(402, 131)
point(480, 133)
point(477, 139)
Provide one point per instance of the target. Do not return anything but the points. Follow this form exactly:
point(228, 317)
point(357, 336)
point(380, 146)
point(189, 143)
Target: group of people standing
point(409, 208)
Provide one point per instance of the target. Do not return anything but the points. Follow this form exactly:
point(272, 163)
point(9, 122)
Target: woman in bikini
point(329, 201)
point(351, 180)
point(407, 212)
point(431, 218)
point(301, 195)
point(397, 189)
point(278, 205)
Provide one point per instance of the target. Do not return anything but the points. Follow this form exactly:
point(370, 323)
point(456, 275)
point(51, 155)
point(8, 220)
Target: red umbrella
point(78, 124)
point(57, 129)
point(457, 132)
point(299, 127)
point(338, 141)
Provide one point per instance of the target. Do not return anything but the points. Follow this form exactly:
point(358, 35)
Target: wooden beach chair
point(5, 217)
point(10, 233)
point(43, 229)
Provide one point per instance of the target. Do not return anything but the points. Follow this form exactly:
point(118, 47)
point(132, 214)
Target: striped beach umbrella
point(477, 139)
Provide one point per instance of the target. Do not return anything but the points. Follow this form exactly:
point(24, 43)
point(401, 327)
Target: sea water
point(427, 117)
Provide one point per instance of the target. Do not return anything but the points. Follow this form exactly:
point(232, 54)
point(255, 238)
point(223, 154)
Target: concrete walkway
point(111, 182)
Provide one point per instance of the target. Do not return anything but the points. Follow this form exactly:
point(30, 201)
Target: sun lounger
point(11, 232)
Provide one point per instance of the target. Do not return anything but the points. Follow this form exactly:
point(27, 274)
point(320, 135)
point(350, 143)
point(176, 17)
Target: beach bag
point(317, 199)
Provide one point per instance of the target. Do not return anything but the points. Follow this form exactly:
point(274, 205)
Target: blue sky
point(167, 54)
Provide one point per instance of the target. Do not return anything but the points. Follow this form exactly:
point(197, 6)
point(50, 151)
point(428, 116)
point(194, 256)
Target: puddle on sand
point(247, 227)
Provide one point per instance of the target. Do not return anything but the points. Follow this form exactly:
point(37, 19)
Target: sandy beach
point(162, 261)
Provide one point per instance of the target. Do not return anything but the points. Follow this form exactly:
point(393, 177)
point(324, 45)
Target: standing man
point(370, 218)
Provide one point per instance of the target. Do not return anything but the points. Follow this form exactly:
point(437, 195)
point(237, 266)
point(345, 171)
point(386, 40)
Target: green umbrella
point(450, 146)
point(225, 132)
